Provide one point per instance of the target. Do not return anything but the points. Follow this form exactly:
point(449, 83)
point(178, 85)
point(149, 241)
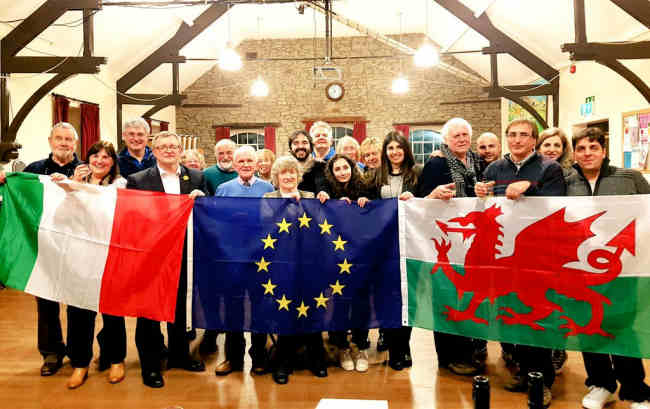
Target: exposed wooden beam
point(528, 89)
point(626, 73)
point(141, 99)
point(211, 105)
point(38, 21)
point(484, 26)
point(89, 35)
point(579, 21)
point(33, 100)
point(639, 9)
point(75, 65)
point(247, 125)
point(618, 51)
point(183, 35)
point(164, 103)
point(470, 101)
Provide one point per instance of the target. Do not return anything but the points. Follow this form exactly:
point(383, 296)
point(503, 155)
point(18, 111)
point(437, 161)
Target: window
point(423, 142)
point(253, 138)
point(339, 132)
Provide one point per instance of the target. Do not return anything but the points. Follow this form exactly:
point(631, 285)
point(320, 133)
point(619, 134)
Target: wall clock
point(334, 91)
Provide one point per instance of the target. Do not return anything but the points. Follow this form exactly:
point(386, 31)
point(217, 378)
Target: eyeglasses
point(172, 148)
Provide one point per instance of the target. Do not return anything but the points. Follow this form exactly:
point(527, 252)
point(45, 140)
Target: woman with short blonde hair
point(193, 159)
point(265, 159)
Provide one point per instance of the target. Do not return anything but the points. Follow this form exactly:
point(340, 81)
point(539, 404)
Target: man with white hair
point(223, 171)
point(245, 185)
point(63, 141)
point(321, 134)
point(137, 155)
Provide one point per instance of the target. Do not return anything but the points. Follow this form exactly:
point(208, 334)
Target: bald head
point(489, 147)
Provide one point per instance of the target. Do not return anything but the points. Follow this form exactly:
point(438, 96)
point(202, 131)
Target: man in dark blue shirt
point(137, 155)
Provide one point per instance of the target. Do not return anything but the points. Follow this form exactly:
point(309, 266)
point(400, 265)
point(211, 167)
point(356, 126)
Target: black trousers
point(604, 370)
point(81, 332)
point(236, 348)
point(453, 348)
point(359, 338)
point(50, 336)
point(398, 342)
point(535, 359)
point(149, 339)
point(288, 346)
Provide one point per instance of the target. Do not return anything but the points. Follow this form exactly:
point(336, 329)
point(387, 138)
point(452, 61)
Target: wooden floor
point(420, 387)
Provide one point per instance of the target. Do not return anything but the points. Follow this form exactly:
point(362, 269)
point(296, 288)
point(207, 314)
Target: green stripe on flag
point(20, 216)
point(627, 318)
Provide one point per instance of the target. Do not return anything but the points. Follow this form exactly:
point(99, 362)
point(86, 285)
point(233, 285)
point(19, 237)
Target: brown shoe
point(78, 377)
point(51, 365)
point(226, 367)
point(116, 373)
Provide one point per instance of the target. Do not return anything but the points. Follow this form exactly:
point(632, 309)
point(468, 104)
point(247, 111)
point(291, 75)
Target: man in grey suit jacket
point(167, 176)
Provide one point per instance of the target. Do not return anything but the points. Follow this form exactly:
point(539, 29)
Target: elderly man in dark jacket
point(595, 177)
point(523, 172)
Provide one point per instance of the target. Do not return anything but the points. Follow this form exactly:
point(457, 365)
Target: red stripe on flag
point(144, 260)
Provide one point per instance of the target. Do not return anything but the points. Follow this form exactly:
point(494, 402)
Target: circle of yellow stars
point(263, 265)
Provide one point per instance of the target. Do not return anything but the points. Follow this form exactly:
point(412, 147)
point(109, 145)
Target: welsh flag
point(114, 251)
point(567, 273)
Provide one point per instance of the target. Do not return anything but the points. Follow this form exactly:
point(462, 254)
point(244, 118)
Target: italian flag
point(114, 251)
point(561, 272)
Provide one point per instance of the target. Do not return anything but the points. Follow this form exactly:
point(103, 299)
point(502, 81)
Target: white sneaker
point(361, 361)
point(640, 405)
point(346, 360)
point(598, 397)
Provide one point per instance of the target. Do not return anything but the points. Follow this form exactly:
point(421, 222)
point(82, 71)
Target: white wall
point(35, 129)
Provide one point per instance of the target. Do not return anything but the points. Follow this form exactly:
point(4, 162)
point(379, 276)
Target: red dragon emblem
point(529, 272)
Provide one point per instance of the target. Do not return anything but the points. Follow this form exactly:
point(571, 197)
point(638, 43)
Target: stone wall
point(294, 96)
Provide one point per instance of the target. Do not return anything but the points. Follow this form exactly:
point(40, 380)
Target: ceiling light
point(259, 88)
point(426, 56)
point(400, 85)
point(229, 60)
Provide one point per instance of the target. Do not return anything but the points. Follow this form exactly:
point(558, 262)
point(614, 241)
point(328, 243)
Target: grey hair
point(223, 142)
point(454, 122)
point(193, 153)
point(65, 125)
point(321, 125)
point(165, 134)
point(137, 123)
point(243, 149)
point(345, 140)
point(283, 164)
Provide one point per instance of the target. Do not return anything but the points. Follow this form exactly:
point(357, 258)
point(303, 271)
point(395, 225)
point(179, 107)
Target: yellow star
point(325, 227)
point(302, 310)
point(284, 226)
point(321, 301)
point(338, 244)
point(345, 266)
point(304, 220)
point(284, 303)
point(269, 241)
point(337, 288)
point(268, 287)
point(263, 265)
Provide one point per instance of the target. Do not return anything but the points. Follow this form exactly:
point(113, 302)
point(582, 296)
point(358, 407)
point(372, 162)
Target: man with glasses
point(524, 172)
point(137, 155)
point(167, 176)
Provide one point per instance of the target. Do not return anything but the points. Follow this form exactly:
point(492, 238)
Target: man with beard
point(223, 171)
point(313, 180)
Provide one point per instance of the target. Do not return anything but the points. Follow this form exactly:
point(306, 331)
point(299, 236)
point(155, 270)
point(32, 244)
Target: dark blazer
point(149, 179)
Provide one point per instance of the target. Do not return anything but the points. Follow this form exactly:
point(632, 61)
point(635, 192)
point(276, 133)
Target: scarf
point(459, 172)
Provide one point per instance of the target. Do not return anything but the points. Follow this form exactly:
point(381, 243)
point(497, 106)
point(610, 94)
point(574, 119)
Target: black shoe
point(153, 379)
point(258, 367)
point(382, 345)
point(396, 364)
point(186, 364)
point(319, 370)
point(408, 361)
point(191, 334)
point(281, 375)
point(51, 365)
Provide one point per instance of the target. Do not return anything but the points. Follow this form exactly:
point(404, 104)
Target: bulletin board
point(636, 140)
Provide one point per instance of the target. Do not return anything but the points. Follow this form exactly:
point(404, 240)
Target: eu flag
point(282, 266)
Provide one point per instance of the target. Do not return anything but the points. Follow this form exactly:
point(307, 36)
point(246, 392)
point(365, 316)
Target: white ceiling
point(127, 35)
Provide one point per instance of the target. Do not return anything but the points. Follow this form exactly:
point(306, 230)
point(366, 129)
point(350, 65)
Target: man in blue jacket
point(137, 155)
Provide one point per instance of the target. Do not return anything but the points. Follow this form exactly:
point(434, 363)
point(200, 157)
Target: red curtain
point(308, 125)
point(148, 121)
point(404, 129)
point(222, 132)
point(164, 126)
point(89, 127)
point(61, 107)
point(359, 131)
point(269, 138)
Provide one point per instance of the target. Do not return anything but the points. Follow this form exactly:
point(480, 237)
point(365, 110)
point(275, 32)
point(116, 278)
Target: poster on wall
point(539, 103)
point(636, 139)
